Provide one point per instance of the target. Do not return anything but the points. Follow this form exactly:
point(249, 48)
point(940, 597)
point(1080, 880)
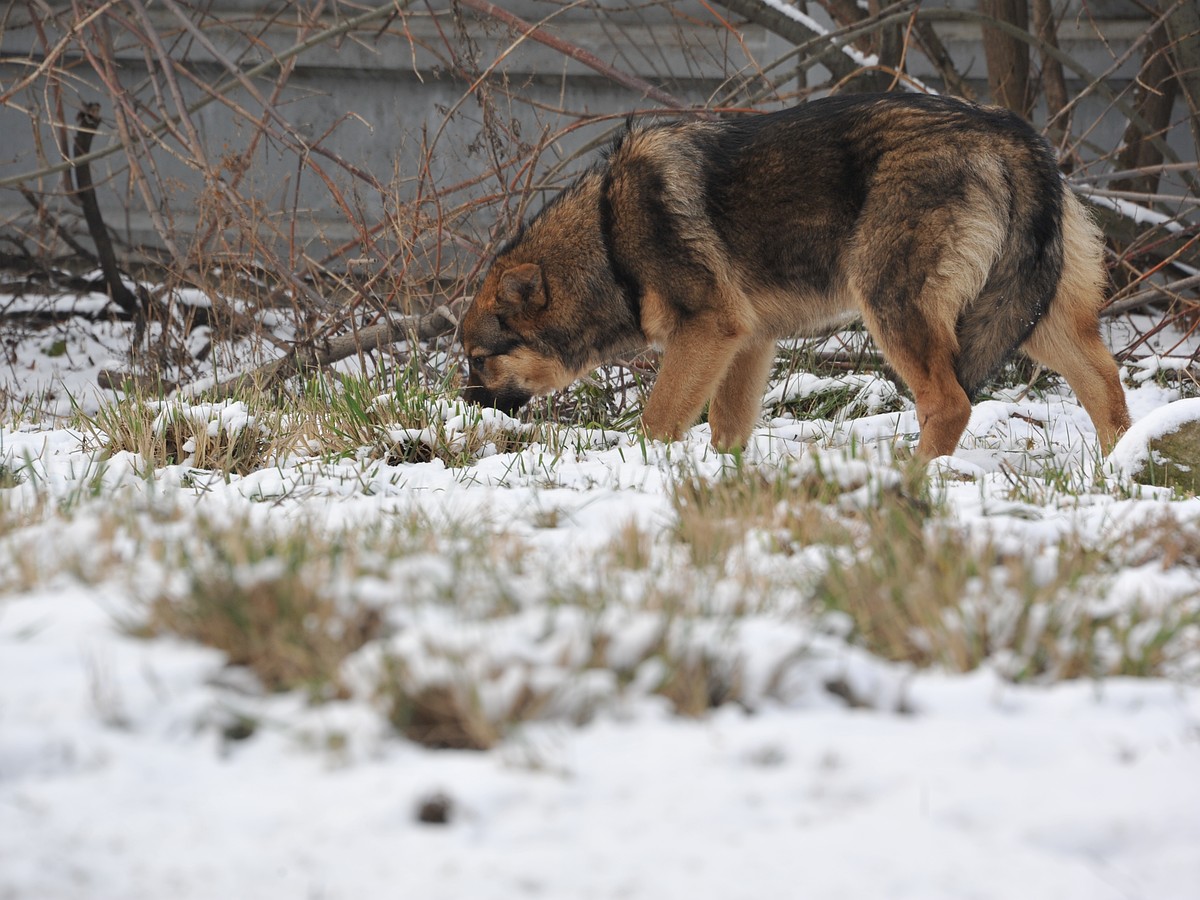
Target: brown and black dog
point(946, 226)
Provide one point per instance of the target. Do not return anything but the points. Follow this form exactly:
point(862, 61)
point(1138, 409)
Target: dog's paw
point(726, 443)
point(658, 429)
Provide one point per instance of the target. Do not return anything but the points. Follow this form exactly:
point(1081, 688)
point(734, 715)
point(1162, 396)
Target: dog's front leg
point(695, 359)
point(738, 401)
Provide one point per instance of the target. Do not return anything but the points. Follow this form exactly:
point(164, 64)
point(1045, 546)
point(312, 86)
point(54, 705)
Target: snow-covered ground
point(121, 776)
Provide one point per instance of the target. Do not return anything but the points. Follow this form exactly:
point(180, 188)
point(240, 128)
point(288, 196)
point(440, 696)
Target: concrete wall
point(378, 98)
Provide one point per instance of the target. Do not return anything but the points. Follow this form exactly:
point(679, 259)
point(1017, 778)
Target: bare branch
point(1149, 296)
point(302, 359)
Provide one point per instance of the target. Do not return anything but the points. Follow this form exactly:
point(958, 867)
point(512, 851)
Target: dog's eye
point(480, 355)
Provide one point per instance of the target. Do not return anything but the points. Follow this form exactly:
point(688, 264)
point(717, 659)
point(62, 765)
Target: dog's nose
point(507, 400)
point(477, 394)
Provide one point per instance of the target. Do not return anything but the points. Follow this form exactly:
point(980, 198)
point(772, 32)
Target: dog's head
point(507, 334)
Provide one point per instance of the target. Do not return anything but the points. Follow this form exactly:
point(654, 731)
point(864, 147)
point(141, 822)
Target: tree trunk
point(1183, 27)
point(1007, 57)
point(1054, 85)
point(1152, 101)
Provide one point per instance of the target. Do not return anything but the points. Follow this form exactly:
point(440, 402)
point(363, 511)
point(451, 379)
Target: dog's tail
point(1082, 285)
point(1045, 234)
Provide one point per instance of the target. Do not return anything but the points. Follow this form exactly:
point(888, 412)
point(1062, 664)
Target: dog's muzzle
point(507, 400)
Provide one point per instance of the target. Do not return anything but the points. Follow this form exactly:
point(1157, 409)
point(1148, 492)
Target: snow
point(1133, 450)
point(863, 59)
point(122, 774)
point(1134, 212)
point(985, 790)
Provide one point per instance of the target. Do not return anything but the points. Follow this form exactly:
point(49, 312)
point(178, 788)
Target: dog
point(946, 226)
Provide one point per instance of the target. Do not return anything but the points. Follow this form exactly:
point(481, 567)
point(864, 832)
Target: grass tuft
point(232, 437)
point(268, 599)
point(440, 716)
point(407, 423)
point(715, 515)
point(698, 680)
point(928, 594)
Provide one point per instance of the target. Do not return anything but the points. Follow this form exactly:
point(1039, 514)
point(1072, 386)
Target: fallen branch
point(1126, 173)
point(1151, 295)
point(308, 358)
point(1145, 198)
point(133, 383)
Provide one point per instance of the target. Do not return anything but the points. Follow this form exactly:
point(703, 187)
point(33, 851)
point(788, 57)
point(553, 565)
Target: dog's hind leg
point(738, 400)
point(1067, 338)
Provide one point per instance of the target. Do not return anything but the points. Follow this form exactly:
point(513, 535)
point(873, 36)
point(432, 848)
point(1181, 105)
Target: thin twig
point(580, 55)
point(1127, 173)
point(1184, 199)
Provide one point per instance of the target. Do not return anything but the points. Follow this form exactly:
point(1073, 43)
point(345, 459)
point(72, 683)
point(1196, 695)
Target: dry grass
point(655, 611)
point(392, 418)
point(232, 437)
point(632, 548)
point(713, 516)
point(929, 594)
point(697, 680)
point(899, 584)
point(270, 599)
point(450, 715)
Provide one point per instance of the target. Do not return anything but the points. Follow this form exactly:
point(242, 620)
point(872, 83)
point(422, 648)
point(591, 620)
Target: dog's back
point(868, 202)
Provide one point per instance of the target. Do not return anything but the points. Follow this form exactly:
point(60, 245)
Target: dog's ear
point(521, 290)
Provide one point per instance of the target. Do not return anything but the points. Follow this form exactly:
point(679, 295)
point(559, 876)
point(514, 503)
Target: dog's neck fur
point(626, 280)
point(571, 240)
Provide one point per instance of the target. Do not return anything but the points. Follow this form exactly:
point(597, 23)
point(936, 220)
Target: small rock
point(435, 809)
